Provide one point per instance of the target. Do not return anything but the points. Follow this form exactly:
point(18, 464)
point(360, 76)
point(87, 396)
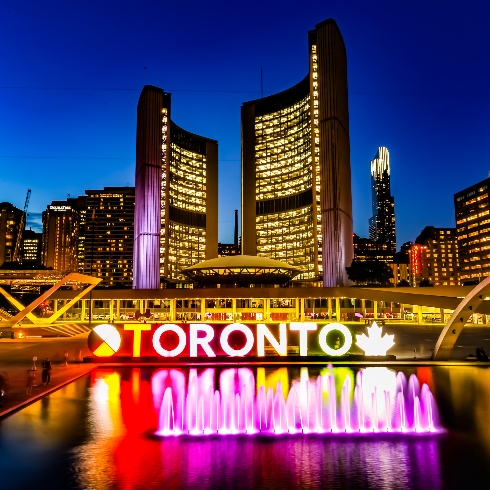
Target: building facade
point(60, 235)
point(366, 249)
point(32, 247)
point(296, 180)
point(472, 210)
point(82, 219)
point(10, 227)
point(382, 223)
point(176, 195)
point(109, 235)
point(401, 273)
point(434, 257)
point(418, 269)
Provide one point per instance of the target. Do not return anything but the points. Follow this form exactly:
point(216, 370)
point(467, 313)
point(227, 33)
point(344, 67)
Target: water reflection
point(98, 432)
point(381, 401)
point(94, 462)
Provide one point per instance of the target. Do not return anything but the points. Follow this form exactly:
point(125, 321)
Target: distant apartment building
point(82, 218)
point(10, 226)
point(109, 234)
point(417, 264)
point(472, 212)
point(366, 249)
point(401, 272)
point(382, 223)
point(61, 222)
point(434, 257)
point(32, 247)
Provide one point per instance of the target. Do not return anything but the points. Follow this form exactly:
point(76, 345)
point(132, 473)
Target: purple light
point(380, 402)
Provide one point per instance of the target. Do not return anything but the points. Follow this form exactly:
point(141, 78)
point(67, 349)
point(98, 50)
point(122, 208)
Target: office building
point(82, 220)
point(296, 178)
point(473, 231)
point(418, 268)
point(434, 257)
point(60, 235)
point(176, 195)
point(366, 249)
point(10, 227)
point(108, 249)
point(382, 223)
point(32, 247)
point(401, 272)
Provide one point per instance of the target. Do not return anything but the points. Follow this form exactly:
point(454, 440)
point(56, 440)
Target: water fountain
point(381, 401)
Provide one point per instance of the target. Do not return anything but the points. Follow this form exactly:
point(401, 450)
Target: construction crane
point(22, 226)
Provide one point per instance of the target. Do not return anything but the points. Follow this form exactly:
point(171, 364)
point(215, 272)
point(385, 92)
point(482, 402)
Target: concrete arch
point(456, 323)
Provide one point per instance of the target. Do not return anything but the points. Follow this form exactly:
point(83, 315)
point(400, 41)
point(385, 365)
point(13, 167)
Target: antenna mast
point(261, 84)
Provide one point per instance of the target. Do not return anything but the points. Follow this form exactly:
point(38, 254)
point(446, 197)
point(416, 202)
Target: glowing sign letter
point(322, 339)
point(263, 332)
point(226, 346)
point(202, 341)
point(169, 328)
point(137, 329)
point(303, 335)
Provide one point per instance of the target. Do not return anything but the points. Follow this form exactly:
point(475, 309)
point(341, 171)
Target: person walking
point(66, 358)
point(31, 380)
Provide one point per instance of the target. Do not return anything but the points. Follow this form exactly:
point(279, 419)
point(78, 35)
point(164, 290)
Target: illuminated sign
point(233, 340)
point(373, 344)
point(59, 208)
point(104, 340)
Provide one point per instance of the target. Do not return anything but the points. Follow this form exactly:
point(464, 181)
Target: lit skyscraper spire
point(382, 224)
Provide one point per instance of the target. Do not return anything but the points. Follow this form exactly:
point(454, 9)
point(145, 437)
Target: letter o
point(248, 344)
point(169, 328)
point(322, 339)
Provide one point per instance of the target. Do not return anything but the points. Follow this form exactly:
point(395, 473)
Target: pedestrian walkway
point(16, 359)
point(16, 396)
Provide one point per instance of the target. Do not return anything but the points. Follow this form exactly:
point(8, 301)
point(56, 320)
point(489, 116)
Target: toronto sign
point(234, 340)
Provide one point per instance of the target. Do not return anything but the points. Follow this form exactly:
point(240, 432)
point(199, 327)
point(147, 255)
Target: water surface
point(100, 433)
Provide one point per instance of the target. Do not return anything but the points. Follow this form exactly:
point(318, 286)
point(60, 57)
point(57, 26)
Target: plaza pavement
point(16, 359)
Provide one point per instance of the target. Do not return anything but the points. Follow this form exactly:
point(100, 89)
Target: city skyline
point(80, 107)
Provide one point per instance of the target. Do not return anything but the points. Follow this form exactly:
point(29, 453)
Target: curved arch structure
point(469, 305)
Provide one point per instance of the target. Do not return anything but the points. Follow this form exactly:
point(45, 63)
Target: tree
point(425, 283)
point(403, 284)
point(373, 272)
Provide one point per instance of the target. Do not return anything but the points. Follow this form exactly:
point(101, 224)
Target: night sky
point(71, 74)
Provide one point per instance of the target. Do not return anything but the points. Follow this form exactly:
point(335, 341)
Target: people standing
point(31, 380)
point(46, 371)
point(3, 388)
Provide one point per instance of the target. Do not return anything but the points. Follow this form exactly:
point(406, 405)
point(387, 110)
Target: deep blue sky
point(71, 74)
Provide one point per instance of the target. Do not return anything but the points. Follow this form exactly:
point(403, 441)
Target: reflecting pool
point(274, 428)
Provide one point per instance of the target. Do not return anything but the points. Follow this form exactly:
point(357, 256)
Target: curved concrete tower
point(176, 195)
point(296, 180)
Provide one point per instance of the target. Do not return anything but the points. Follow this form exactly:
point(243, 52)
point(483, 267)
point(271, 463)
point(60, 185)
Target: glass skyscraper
point(382, 223)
